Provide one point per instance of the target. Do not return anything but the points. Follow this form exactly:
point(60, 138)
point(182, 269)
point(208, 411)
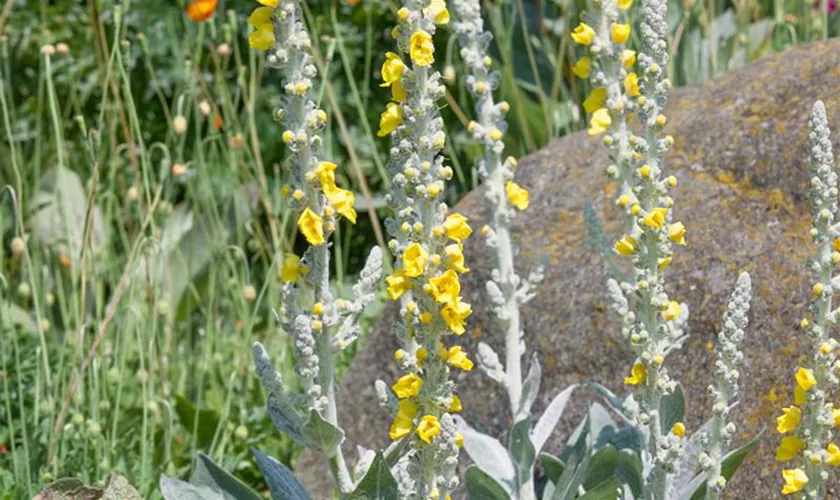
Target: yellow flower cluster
point(795, 445)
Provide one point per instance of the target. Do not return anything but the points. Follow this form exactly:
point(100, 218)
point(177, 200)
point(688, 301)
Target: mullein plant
point(428, 247)
point(320, 324)
point(626, 105)
point(807, 425)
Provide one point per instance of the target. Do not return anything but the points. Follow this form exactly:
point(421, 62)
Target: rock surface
point(740, 156)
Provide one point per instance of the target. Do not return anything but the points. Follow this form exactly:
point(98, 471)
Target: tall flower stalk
point(320, 324)
point(653, 323)
point(428, 248)
point(808, 423)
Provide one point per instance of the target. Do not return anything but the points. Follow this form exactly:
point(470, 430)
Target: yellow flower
point(595, 100)
point(795, 480)
point(628, 58)
point(398, 284)
point(625, 4)
point(456, 227)
point(631, 84)
point(798, 395)
point(392, 69)
point(678, 429)
point(421, 49)
point(620, 33)
point(446, 288)
point(583, 34)
point(833, 458)
point(626, 246)
point(663, 263)
point(582, 67)
point(400, 427)
point(455, 314)
point(789, 448)
point(398, 91)
point(457, 358)
point(789, 420)
point(437, 9)
point(600, 122)
point(414, 260)
point(459, 440)
point(269, 3)
point(805, 378)
point(672, 312)
point(638, 374)
point(326, 175)
point(262, 38)
point(312, 227)
point(676, 233)
point(455, 257)
point(835, 415)
point(390, 119)
point(428, 428)
point(655, 218)
point(291, 268)
point(408, 386)
point(342, 201)
point(517, 195)
point(456, 405)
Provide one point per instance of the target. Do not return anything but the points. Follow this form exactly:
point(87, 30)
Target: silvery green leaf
point(487, 453)
point(672, 409)
point(522, 451)
point(552, 466)
point(363, 463)
point(378, 483)
point(612, 400)
point(577, 463)
point(285, 416)
point(480, 486)
point(13, 315)
point(321, 435)
point(597, 419)
point(602, 467)
point(489, 363)
point(530, 389)
point(606, 490)
point(208, 473)
point(630, 471)
point(549, 418)
point(622, 438)
point(175, 489)
point(282, 483)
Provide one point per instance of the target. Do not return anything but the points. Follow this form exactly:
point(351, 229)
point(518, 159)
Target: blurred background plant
point(140, 186)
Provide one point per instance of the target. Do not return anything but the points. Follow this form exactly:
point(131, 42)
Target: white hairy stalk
point(503, 196)
point(725, 390)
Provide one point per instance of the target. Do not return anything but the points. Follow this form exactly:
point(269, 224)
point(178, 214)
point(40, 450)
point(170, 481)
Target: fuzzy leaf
point(629, 471)
point(577, 463)
point(602, 467)
point(552, 466)
point(378, 483)
point(282, 483)
point(321, 435)
point(522, 451)
point(606, 490)
point(549, 418)
point(209, 473)
point(480, 486)
point(285, 417)
point(487, 453)
point(611, 399)
point(672, 409)
point(175, 489)
point(530, 389)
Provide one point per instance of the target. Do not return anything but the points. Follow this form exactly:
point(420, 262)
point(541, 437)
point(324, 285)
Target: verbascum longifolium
point(807, 425)
point(653, 323)
point(428, 248)
point(320, 324)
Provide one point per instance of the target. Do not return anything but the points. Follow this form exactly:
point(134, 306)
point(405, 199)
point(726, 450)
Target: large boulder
point(741, 158)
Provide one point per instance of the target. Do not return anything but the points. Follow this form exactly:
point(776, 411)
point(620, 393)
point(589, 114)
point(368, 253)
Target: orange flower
point(201, 10)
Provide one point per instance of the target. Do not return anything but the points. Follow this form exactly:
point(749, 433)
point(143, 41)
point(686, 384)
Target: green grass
point(125, 331)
